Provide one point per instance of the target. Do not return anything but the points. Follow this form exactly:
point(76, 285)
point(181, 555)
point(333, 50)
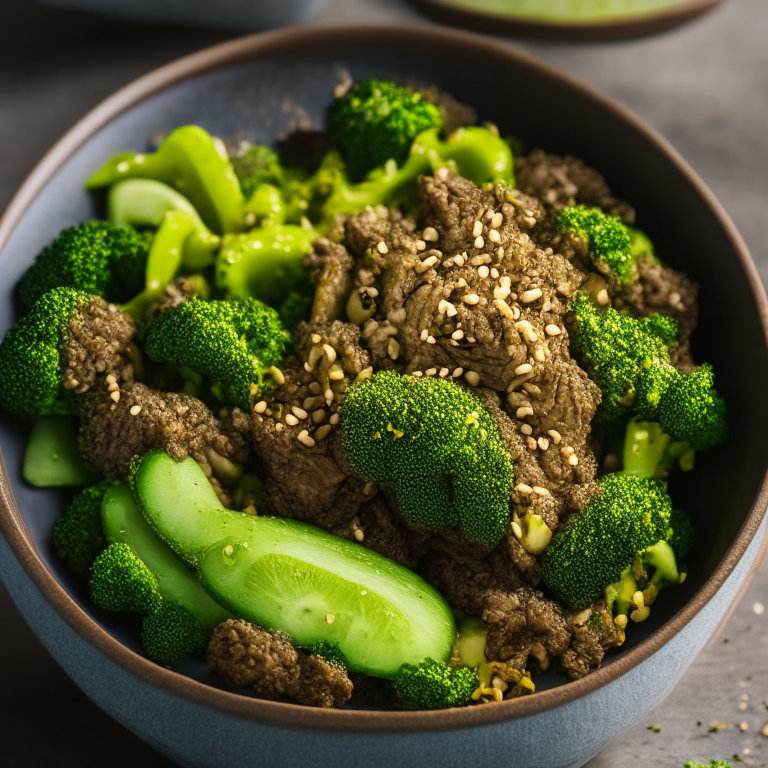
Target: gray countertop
point(704, 86)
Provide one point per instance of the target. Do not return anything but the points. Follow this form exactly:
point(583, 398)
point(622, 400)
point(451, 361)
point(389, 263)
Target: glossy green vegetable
point(287, 575)
point(52, 457)
point(193, 163)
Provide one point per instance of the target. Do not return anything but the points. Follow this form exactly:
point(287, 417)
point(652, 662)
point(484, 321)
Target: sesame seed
point(335, 374)
point(543, 443)
point(497, 220)
point(279, 427)
point(322, 432)
point(602, 297)
point(431, 340)
point(430, 372)
point(330, 618)
point(382, 247)
point(461, 283)
point(494, 273)
point(424, 334)
point(540, 355)
point(393, 348)
point(764, 730)
point(470, 298)
point(552, 330)
point(555, 435)
point(524, 411)
point(444, 372)
point(531, 442)
point(229, 550)
point(539, 491)
point(458, 335)
point(111, 378)
point(526, 429)
point(277, 375)
point(417, 374)
point(135, 410)
point(501, 292)
point(113, 387)
point(573, 460)
point(477, 229)
point(517, 530)
point(524, 368)
point(115, 396)
point(359, 536)
point(494, 236)
point(430, 234)
point(448, 263)
point(504, 308)
point(483, 272)
point(304, 438)
point(291, 420)
point(743, 725)
point(473, 378)
point(528, 296)
point(451, 310)
point(300, 413)
point(459, 260)
point(316, 339)
point(479, 242)
point(442, 307)
point(567, 451)
point(420, 245)
point(457, 372)
point(523, 488)
point(758, 609)
point(423, 266)
point(334, 419)
point(372, 292)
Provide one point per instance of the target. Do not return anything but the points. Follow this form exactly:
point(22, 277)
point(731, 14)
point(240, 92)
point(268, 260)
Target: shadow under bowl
point(259, 88)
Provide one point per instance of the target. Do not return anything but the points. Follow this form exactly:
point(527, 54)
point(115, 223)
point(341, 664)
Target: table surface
point(704, 86)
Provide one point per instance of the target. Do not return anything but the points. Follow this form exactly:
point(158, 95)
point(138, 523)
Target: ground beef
point(269, 664)
point(174, 294)
point(330, 267)
point(593, 633)
point(98, 345)
point(132, 418)
point(662, 290)
point(561, 182)
point(306, 477)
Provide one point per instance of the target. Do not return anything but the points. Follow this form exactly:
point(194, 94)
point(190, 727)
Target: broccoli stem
point(620, 593)
point(644, 447)
point(52, 457)
point(662, 558)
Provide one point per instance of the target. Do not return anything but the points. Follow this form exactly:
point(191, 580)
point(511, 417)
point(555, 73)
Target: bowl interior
point(263, 99)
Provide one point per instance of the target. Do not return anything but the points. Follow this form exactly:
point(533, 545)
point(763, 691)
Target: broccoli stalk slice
point(644, 447)
point(662, 558)
point(619, 594)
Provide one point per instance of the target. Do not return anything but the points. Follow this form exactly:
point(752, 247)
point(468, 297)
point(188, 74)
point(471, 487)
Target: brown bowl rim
point(302, 39)
point(636, 25)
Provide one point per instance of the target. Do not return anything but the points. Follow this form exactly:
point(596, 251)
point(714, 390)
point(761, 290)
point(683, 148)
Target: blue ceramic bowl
point(256, 86)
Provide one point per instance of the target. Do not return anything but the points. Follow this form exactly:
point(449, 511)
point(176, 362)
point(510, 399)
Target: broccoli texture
point(617, 526)
point(628, 358)
point(96, 257)
point(436, 446)
point(608, 241)
point(256, 166)
point(120, 582)
point(31, 357)
point(376, 121)
point(434, 685)
point(78, 536)
point(232, 342)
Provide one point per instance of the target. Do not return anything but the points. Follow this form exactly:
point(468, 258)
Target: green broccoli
point(607, 239)
point(329, 652)
point(432, 684)
point(710, 764)
point(78, 536)
point(476, 153)
point(96, 257)
point(233, 343)
point(256, 166)
point(121, 582)
point(434, 444)
point(650, 452)
point(376, 121)
point(628, 358)
point(31, 381)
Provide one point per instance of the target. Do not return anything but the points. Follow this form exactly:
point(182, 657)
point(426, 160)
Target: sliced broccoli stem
point(619, 594)
point(644, 447)
point(661, 557)
point(52, 457)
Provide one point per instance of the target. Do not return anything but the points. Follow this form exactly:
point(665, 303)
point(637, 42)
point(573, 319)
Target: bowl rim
point(304, 39)
point(631, 25)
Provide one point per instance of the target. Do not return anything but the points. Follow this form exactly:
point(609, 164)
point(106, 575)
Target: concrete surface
point(705, 87)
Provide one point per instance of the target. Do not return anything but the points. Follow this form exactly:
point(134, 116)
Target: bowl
point(258, 87)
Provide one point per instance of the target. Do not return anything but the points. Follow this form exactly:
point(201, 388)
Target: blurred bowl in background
point(242, 15)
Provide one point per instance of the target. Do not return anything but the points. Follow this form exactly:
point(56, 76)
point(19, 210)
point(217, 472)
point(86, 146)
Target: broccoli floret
point(31, 356)
point(329, 652)
point(618, 526)
point(608, 241)
point(476, 153)
point(232, 342)
point(96, 257)
point(120, 581)
point(681, 535)
point(171, 633)
point(628, 358)
point(78, 536)
point(257, 165)
point(435, 445)
point(710, 764)
point(376, 121)
point(432, 684)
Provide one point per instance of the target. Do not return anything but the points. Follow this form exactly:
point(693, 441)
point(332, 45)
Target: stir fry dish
point(384, 408)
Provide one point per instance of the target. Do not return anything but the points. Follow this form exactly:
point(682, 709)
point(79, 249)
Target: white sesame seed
point(113, 387)
point(461, 283)
point(444, 372)
point(451, 310)
point(477, 229)
point(382, 247)
point(372, 292)
point(316, 338)
point(279, 427)
point(501, 292)
point(526, 429)
point(334, 419)
point(420, 245)
point(473, 378)
point(543, 443)
point(330, 618)
point(291, 420)
point(531, 442)
point(458, 335)
point(470, 298)
point(393, 348)
point(497, 220)
point(537, 489)
point(336, 374)
point(260, 407)
point(303, 437)
point(504, 308)
point(552, 330)
point(431, 340)
point(442, 307)
point(359, 535)
point(459, 260)
point(428, 263)
point(573, 460)
point(602, 297)
point(457, 372)
point(524, 368)
point(299, 413)
point(135, 410)
point(517, 530)
point(430, 371)
point(430, 234)
point(494, 273)
point(115, 396)
point(523, 411)
point(479, 242)
point(494, 236)
point(567, 451)
point(528, 296)
point(758, 608)
point(555, 435)
point(540, 355)
point(743, 726)
point(417, 374)
point(111, 379)
point(423, 335)
point(483, 272)
point(523, 488)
